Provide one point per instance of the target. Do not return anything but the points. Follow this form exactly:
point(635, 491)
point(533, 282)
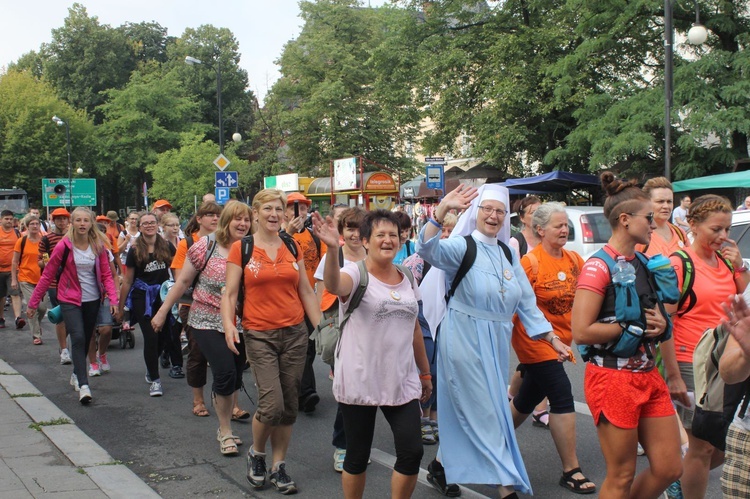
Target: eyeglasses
point(489, 210)
point(172, 225)
point(649, 216)
point(147, 224)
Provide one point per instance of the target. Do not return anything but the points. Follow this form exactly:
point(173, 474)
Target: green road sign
point(56, 192)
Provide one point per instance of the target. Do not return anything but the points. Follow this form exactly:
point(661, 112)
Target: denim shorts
point(105, 315)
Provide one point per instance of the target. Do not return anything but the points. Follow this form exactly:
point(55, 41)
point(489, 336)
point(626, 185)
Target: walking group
point(422, 332)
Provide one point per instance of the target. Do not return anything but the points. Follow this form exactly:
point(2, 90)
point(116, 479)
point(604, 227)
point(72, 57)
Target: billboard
point(345, 174)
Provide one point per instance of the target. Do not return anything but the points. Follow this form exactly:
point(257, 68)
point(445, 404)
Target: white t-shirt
point(375, 364)
point(86, 267)
point(680, 213)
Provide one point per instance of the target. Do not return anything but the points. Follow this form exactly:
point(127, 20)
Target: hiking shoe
point(428, 436)
point(65, 357)
point(338, 460)
point(148, 379)
point(74, 382)
point(20, 322)
point(84, 395)
point(256, 469)
point(308, 402)
point(674, 491)
point(165, 362)
point(176, 372)
point(94, 369)
point(282, 481)
point(103, 363)
point(436, 477)
point(155, 389)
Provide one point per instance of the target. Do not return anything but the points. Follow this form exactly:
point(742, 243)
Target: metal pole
point(668, 65)
point(70, 167)
point(218, 101)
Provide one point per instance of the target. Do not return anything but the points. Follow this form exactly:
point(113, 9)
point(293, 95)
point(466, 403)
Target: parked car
point(741, 233)
point(588, 229)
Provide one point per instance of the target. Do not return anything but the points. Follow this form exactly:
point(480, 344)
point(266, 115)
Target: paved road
point(177, 454)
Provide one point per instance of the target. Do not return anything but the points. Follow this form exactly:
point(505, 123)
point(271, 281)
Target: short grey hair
point(544, 213)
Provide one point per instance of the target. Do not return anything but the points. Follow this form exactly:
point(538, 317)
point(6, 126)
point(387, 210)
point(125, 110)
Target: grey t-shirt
point(86, 267)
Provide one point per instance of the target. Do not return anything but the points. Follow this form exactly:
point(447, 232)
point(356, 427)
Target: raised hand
point(459, 198)
point(731, 252)
point(326, 230)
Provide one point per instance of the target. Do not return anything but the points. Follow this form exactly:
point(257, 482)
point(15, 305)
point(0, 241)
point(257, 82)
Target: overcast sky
point(262, 27)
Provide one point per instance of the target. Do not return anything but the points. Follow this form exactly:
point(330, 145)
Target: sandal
point(37, 341)
point(200, 410)
point(576, 485)
point(541, 419)
point(227, 443)
point(239, 414)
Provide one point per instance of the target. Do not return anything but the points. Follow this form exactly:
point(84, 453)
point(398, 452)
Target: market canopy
point(722, 181)
point(555, 181)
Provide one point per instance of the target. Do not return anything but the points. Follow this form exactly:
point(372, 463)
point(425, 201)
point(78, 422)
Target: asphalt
point(44, 454)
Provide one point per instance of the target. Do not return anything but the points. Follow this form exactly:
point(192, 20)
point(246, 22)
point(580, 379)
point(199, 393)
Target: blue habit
point(477, 440)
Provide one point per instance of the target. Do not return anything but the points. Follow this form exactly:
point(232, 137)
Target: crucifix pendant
point(502, 291)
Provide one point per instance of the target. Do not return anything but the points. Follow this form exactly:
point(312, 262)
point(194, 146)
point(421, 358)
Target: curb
point(115, 480)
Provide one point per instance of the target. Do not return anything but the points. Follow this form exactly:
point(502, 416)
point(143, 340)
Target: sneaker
point(20, 322)
point(65, 357)
point(308, 402)
point(74, 382)
point(94, 369)
point(176, 372)
point(330, 374)
point(2, 323)
point(436, 477)
point(641, 451)
point(165, 362)
point(674, 491)
point(338, 460)
point(428, 437)
point(103, 363)
point(435, 430)
point(155, 389)
point(148, 379)
point(282, 481)
point(84, 395)
point(256, 469)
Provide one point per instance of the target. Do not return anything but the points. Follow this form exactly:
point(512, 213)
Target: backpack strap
point(66, 253)
point(534, 262)
point(210, 248)
point(405, 270)
point(23, 244)
point(468, 260)
point(688, 279)
point(341, 257)
point(523, 246)
point(290, 244)
point(18, 233)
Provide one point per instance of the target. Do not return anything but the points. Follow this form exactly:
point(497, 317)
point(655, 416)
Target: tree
point(32, 147)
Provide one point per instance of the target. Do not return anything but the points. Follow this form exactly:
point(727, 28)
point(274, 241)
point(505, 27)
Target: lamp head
point(698, 34)
point(79, 170)
point(236, 137)
point(192, 60)
point(57, 121)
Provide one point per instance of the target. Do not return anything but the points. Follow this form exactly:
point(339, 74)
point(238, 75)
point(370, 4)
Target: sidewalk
point(44, 453)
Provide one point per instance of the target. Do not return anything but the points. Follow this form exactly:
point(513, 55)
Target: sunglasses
point(649, 216)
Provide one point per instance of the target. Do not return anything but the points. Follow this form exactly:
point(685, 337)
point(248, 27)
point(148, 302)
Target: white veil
point(433, 286)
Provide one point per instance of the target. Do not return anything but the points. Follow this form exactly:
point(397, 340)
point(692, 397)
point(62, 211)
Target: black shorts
point(545, 379)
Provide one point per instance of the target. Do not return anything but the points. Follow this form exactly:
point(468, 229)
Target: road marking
point(389, 461)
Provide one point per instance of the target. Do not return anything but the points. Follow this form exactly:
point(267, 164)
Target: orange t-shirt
point(179, 257)
point(113, 234)
point(555, 287)
point(28, 267)
point(271, 297)
point(310, 253)
point(659, 246)
point(712, 286)
point(7, 245)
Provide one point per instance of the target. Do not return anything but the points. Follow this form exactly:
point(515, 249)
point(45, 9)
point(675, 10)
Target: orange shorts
point(624, 397)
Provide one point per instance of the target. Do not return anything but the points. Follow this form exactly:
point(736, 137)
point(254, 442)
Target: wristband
point(425, 376)
point(554, 337)
point(436, 223)
point(740, 270)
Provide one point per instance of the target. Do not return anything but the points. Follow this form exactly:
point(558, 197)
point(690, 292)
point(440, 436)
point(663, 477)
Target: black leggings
point(359, 424)
point(226, 367)
point(151, 339)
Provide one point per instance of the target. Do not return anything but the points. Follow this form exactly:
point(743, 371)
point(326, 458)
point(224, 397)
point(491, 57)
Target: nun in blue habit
point(477, 440)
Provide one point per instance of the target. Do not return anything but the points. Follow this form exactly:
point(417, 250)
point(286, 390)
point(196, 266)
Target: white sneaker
point(94, 370)
point(103, 363)
point(155, 389)
point(65, 357)
point(84, 395)
point(74, 382)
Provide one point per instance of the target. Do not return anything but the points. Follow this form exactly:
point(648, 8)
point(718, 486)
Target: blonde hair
point(268, 195)
point(96, 238)
point(232, 210)
point(168, 217)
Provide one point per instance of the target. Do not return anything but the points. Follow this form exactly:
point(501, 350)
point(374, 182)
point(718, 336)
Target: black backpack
point(248, 243)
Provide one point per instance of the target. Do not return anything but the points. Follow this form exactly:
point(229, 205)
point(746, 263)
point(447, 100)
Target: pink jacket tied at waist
point(68, 287)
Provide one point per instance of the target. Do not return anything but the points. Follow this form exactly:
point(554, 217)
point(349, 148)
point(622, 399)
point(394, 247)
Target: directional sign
point(434, 176)
point(226, 179)
point(435, 159)
point(221, 162)
point(222, 195)
point(56, 192)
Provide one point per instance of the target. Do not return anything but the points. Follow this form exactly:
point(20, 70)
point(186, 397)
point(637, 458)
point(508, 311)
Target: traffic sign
point(222, 195)
point(435, 176)
point(226, 179)
point(435, 159)
point(56, 192)
point(221, 162)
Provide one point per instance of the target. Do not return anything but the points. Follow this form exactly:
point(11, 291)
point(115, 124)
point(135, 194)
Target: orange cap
point(162, 203)
point(296, 196)
point(60, 212)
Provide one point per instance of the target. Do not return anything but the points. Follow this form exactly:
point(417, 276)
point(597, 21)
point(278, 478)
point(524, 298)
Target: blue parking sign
point(226, 179)
point(222, 195)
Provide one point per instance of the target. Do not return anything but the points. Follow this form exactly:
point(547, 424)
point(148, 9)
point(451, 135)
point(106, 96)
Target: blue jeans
point(80, 322)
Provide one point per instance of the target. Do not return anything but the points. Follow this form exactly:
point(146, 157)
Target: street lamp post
point(60, 122)
point(696, 36)
point(191, 61)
